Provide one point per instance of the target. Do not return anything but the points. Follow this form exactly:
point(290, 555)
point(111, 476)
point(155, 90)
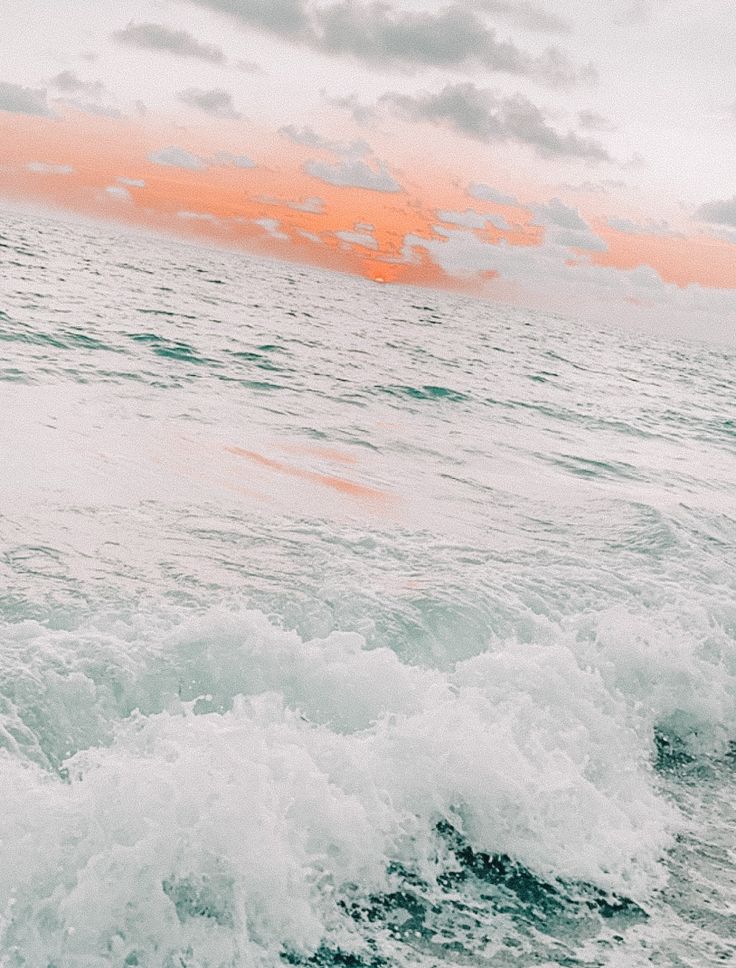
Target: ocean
point(355, 625)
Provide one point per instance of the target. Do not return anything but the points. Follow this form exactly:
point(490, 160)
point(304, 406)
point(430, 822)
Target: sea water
point(355, 625)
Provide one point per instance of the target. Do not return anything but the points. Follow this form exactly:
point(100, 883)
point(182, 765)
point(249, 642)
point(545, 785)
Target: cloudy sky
point(568, 154)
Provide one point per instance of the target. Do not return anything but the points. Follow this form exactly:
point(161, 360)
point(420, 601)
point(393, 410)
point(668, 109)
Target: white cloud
point(119, 193)
point(132, 182)
point(541, 277)
point(310, 236)
point(363, 239)
point(45, 168)
point(189, 216)
point(271, 227)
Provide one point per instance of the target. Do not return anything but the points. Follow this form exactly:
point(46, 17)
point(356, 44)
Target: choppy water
point(358, 626)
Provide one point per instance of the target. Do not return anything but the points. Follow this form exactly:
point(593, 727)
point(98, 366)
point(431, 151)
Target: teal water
point(355, 625)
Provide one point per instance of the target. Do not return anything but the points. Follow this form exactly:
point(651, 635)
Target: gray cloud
point(718, 212)
point(487, 116)
point(592, 121)
point(132, 182)
point(564, 227)
point(641, 228)
point(528, 16)
point(470, 219)
point(174, 157)
point(375, 32)
point(237, 161)
point(286, 18)
point(217, 102)
point(363, 114)
point(249, 67)
point(601, 187)
point(69, 83)
point(490, 194)
point(354, 173)
point(148, 36)
point(310, 139)
point(23, 100)
point(556, 212)
point(90, 107)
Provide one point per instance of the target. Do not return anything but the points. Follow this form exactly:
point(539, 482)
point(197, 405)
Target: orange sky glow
point(223, 203)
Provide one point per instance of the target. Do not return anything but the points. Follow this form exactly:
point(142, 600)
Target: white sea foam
point(230, 782)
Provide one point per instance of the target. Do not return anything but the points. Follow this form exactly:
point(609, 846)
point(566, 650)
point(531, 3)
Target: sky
point(556, 154)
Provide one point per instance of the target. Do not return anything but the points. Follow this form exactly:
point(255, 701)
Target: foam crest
point(234, 787)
